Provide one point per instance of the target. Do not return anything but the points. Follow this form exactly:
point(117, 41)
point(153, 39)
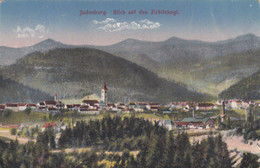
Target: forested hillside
point(14, 92)
point(247, 89)
point(81, 71)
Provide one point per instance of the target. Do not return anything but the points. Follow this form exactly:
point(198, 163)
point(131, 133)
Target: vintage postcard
point(127, 83)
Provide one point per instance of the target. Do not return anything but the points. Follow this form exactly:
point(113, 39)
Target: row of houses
point(186, 106)
point(86, 106)
point(229, 104)
point(190, 122)
point(94, 106)
point(236, 103)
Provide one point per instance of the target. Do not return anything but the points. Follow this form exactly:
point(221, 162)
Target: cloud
point(37, 32)
point(108, 20)
point(111, 25)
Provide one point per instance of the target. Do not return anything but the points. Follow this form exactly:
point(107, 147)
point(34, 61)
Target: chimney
point(193, 110)
point(223, 114)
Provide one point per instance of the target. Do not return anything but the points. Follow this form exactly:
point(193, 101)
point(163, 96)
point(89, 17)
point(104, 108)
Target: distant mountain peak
point(249, 36)
point(49, 41)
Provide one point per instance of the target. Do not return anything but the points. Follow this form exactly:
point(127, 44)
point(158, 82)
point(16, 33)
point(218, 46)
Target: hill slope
point(247, 89)
point(208, 67)
point(79, 72)
point(187, 61)
point(14, 92)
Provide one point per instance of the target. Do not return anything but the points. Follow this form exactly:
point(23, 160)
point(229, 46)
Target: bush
point(13, 131)
point(28, 111)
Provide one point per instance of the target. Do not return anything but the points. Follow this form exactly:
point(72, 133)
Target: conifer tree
point(249, 161)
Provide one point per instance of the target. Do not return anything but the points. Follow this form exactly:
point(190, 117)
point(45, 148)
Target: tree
point(13, 131)
point(249, 161)
point(28, 111)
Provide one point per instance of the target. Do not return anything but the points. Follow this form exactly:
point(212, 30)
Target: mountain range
point(202, 66)
point(77, 72)
point(206, 67)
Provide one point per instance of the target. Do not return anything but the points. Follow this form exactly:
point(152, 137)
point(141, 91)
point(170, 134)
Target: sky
point(105, 22)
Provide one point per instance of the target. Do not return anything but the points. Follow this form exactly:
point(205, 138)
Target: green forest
point(156, 148)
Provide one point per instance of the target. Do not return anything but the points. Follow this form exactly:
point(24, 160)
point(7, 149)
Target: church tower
point(104, 93)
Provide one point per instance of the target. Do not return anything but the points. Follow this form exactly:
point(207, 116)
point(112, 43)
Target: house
point(111, 107)
point(168, 124)
point(93, 104)
point(2, 107)
point(139, 108)
point(205, 106)
point(178, 105)
point(12, 106)
point(131, 105)
point(219, 102)
point(9, 126)
point(195, 122)
point(51, 125)
point(152, 106)
point(60, 105)
point(87, 110)
point(236, 104)
point(22, 106)
point(50, 103)
point(73, 106)
point(121, 105)
point(31, 106)
point(41, 104)
point(154, 109)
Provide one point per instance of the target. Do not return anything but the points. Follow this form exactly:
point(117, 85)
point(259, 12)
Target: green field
point(66, 117)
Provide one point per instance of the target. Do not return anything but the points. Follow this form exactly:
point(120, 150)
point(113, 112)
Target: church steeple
point(104, 93)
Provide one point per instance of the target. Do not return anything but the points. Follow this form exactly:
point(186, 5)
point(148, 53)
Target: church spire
point(104, 93)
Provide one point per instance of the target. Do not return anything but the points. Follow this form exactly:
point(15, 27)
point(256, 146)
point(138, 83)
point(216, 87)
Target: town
point(197, 119)
point(96, 107)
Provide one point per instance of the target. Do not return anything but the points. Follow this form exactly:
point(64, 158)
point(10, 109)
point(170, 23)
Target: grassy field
point(36, 117)
point(66, 117)
point(5, 138)
point(240, 111)
point(21, 117)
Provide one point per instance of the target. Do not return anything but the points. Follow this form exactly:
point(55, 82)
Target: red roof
point(111, 105)
point(22, 104)
point(41, 103)
point(48, 125)
point(50, 102)
point(90, 102)
point(31, 105)
point(12, 126)
point(152, 103)
point(104, 86)
point(205, 104)
point(2, 106)
point(12, 104)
